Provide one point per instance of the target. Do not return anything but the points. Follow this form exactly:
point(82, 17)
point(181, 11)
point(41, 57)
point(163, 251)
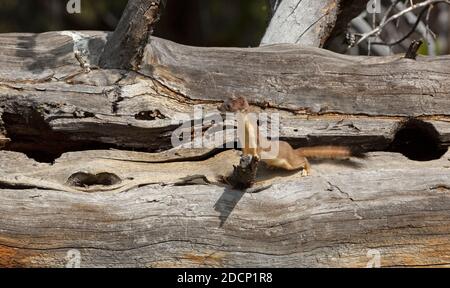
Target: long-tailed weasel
point(286, 158)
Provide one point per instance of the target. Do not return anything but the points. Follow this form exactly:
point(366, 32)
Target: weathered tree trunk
point(125, 48)
point(310, 22)
point(69, 180)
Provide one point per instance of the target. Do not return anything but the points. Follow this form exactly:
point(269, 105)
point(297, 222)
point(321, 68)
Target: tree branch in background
point(411, 31)
point(125, 47)
point(422, 28)
point(377, 30)
point(360, 25)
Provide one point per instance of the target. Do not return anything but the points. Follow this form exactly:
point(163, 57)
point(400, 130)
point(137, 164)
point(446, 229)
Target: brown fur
point(287, 157)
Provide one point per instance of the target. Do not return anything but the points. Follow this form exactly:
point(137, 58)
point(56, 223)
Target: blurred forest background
point(191, 22)
point(239, 23)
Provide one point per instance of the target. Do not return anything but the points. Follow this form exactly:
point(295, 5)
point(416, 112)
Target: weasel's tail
point(325, 152)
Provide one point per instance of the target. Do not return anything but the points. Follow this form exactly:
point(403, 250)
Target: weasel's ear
point(243, 104)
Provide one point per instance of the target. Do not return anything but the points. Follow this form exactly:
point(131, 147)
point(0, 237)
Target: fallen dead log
point(335, 217)
point(88, 168)
point(322, 97)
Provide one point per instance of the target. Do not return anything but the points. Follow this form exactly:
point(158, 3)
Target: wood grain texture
point(167, 208)
point(310, 22)
point(329, 219)
point(52, 98)
point(307, 80)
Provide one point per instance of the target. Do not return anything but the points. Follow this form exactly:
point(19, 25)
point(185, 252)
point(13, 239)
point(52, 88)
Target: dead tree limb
point(311, 22)
point(125, 46)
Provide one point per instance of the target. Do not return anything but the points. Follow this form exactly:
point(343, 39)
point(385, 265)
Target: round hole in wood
point(418, 140)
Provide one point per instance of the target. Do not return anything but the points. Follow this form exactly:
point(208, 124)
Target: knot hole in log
point(82, 179)
point(149, 115)
point(418, 140)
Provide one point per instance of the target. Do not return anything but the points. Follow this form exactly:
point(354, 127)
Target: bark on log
point(168, 208)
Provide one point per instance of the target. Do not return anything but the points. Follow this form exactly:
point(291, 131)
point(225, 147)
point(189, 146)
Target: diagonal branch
point(125, 47)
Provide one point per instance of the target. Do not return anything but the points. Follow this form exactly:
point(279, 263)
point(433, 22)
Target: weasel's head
point(234, 104)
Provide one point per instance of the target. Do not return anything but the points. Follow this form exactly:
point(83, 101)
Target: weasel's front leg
point(305, 171)
point(306, 168)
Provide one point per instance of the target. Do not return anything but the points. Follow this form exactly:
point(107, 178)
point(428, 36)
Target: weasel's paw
point(305, 172)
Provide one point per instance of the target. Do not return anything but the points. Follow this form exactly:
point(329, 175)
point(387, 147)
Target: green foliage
point(423, 49)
